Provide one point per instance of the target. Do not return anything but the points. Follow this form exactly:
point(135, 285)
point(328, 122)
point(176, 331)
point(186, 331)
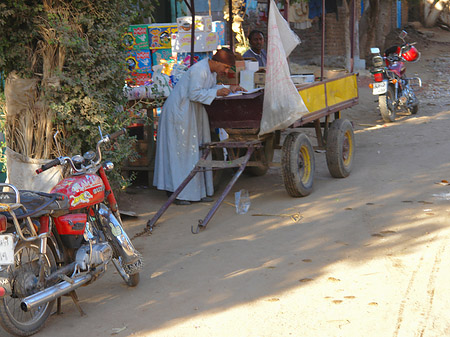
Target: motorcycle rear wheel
point(386, 105)
point(24, 277)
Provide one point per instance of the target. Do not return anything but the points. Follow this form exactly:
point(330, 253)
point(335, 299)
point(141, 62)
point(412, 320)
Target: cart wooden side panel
point(329, 96)
point(321, 98)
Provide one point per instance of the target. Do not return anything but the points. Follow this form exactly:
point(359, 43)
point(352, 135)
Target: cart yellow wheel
point(297, 165)
point(267, 150)
point(340, 148)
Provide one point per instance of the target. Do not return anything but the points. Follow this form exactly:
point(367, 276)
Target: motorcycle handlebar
point(61, 160)
point(117, 134)
point(48, 165)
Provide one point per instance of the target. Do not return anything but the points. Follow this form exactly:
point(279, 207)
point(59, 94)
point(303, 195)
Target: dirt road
point(369, 256)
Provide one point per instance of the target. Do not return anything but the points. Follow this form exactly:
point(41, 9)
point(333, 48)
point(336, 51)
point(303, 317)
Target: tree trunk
point(375, 25)
point(433, 11)
point(347, 36)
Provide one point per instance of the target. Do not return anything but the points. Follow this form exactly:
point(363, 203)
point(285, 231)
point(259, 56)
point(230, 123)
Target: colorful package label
point(139, 61)
point(204, 41)
point(219, 28)
point(202, 23)
point(161, 54)
point(136, 38)
point(185, 58)
point(159, 35)
point(136, 79)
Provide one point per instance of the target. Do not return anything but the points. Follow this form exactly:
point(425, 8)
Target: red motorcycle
point(53, 243)
point(393, 88)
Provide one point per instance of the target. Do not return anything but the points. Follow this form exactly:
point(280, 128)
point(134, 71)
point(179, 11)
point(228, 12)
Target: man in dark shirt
point(256, 39)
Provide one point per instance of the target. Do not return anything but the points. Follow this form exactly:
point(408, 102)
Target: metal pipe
point(52, 293)
point(180, 188)
point(67, 269)
point(203, 223)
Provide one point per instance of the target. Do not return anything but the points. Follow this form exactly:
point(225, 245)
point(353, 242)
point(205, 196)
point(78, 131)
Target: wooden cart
point(241, 115)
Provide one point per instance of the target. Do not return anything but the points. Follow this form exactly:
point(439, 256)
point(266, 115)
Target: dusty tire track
point(411, 289)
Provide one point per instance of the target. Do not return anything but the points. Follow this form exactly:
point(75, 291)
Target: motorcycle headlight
point(108, 166)
point(377, 61)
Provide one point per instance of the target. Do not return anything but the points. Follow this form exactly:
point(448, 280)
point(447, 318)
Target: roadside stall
point(158, 55)
point(254, 121)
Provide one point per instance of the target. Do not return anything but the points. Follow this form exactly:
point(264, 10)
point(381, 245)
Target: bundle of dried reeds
point(29, 128)
point(29, 131)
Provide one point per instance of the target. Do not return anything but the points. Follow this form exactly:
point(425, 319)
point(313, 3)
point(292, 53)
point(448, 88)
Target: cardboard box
point(232, 78)
point(159, 35)
point(136, 38)
point(202, 23)
point(139, 61)
point(136, 79)
point(260, 78)
point(204, 41)
point(185, 58)
point(240, 64)
point(219, 28)
point(161, 54)
point(302, 78)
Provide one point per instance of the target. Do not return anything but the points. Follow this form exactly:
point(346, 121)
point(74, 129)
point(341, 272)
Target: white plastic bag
point(282, 105)
point(242, 201)
point(21, 172)
point(161, 86)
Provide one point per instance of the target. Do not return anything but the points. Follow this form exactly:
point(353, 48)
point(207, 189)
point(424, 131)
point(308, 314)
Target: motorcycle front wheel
point(128, 272)
point(386, 105)
point(414, 109)
point(132, 280)
point(24, 276)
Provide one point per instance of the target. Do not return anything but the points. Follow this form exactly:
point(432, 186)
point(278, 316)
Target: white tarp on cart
point(283, 105)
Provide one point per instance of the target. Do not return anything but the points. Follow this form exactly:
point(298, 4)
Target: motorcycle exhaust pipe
point(52, 293)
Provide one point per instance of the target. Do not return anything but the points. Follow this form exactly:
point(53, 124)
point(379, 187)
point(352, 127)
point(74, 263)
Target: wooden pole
point(192, 32)
point(322, 56)
point(230, 24)
point(352, 36)
point(191, 7)
point(286, 10)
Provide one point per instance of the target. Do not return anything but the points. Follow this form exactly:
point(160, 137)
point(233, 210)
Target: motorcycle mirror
point(100, 130)
point(57, 143)
point(375, 50)
point(403, 34)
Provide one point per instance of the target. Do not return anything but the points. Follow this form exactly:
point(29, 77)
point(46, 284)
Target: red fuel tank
point(71, 224)
point(398, 68)
point(82, 191)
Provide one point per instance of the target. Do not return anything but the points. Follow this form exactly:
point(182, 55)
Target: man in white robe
point(184, 126)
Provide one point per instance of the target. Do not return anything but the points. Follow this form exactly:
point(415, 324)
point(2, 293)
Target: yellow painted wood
point(342, 89)
point(314, 97)
point(337, 91)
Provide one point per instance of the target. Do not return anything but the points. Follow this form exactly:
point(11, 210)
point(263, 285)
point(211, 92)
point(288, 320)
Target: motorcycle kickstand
point(75, 300)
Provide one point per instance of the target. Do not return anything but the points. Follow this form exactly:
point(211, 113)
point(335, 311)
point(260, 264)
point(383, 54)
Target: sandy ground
point(368, 257)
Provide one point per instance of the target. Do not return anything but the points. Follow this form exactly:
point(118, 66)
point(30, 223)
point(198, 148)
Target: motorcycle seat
point(391, 51)
point(36, 203)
